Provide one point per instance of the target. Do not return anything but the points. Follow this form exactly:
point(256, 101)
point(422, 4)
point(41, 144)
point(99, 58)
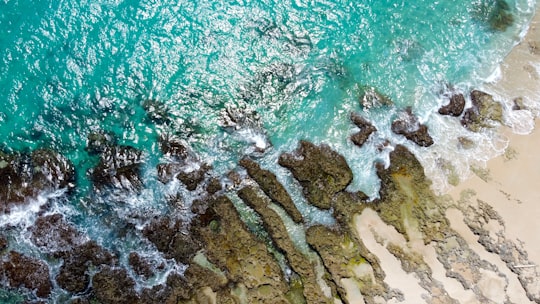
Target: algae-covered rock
point(496, 14)
point(413, 262)
point(408, 125)
point(406, 199)
point(483, 112)
point(455, 107)
point(366, 129)
point(25, 175)
point(371, 98)
point(193, 178)
point(119, 168)
point(341, 256)
point(321, 171)
point(272, 187)
point(52, 233)
point(22, 271)
point(73, 275)
point(236, 252)
point(114, 286)
point(280, 237)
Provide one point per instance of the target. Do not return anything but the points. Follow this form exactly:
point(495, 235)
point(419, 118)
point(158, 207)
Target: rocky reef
point(248, 242)
point(25, 175)
point(455, 106)
point(407, 124)
point(366, 129)
point(484, 111)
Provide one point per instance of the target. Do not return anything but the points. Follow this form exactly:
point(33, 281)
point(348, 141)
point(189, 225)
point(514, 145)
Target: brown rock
point(366, 129)
point(194, 178)
point(25, 175)
point(173, 146)
point(53, 233)
point(73, 275)
point(114, 286)
point(455, 107)
point(140, 265)
point(408, 126)
point(166, 172)
point(214, 185)
point(118, 168)
point(165, 233)
point(321, 171)
point(3, 243)
point(22, 271)
point(272, 187)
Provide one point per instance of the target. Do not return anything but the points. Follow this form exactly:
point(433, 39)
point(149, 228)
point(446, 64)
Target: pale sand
point(511, 187)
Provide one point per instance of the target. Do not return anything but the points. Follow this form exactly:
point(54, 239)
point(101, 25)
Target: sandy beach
point(497, 206)
point(512, 183)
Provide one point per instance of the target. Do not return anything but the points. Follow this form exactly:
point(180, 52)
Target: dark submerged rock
point(466, 143)
point(21, 271)
point(366, 129)
point(118, 168)
point(272, 187)
point(25, 175)
point(53, 233)
point(371, 97)
point(99, 142)
point(408, 126)
point(114, 286)
point(156, 111)
point(497, 14)
point(173, 146)
point(484, 110)
point(321, 171)
point(73, 275)
point(455, 107)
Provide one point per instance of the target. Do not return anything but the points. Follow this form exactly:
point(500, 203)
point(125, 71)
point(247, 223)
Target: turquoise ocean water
point(293, 69)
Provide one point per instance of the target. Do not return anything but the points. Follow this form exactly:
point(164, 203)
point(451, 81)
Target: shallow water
point(290, 70)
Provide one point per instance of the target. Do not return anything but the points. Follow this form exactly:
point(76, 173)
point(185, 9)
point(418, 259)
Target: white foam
point(24, 214)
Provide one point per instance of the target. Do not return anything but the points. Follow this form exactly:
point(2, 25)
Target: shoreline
point(505, 185)
point(510, 180)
